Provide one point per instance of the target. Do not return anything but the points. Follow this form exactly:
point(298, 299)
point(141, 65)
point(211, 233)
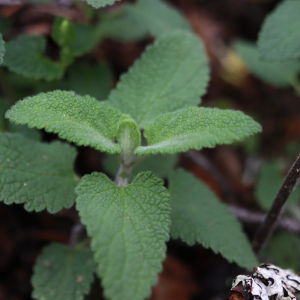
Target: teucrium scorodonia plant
point(128, 222)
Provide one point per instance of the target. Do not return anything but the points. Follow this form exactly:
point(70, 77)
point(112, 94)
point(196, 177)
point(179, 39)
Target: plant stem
point(266, 229)
point(123, 175)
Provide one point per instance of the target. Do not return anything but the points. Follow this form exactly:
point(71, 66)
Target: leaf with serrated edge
point(24, 56)
point(37, 174)
point(2, 49)
point(196, 128)
point(129, 227)
point(100, 3)
point(159, 17)
point(279, 37)
point(198, 216)
point(61, 273)
point(172, 74)
point(79, 119)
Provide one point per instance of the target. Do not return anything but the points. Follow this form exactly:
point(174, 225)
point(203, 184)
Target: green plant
point(128, 220)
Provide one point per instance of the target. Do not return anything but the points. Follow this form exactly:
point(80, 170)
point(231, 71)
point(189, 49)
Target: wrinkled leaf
point(129, 227)
point(24, 55)
point(171, 74)
point(61, 273)
point(37, 174)
point(198, 216)
point(196, 128)
point(82, 120)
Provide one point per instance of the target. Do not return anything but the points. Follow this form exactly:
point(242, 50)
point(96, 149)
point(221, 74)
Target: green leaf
point(157, 16)
point(2, 49)
point(196, 128)
point(97, 80)
point(160, 165)
point(24, 56)
point(268, 184)
point(64, 33)
point(82, 120)
point(129, 136)
point(279, 36)
point(87, 38)
point(100, 3)
point(281, 74)
point(61, 273)
point(37, 174)
point(121, 26)
point(198, 216)
point(129, 227)
point(283, 250)
point(171, 74)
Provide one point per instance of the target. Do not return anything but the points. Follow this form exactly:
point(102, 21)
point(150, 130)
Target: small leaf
point(37, 174)
point(61, 273)
point(129, 227)
point(159, 17)
point(281, 74)
point(171, 74)
point(2, 49)
point(279, 36)
point(196, 128)
point(64, 33)
point(100, 3)
point(198, 216)
point(128, 136)
point(160, 165)
point(82, 120)
point(24, 56)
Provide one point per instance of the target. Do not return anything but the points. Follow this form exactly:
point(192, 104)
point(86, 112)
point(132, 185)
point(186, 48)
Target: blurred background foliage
point(71, 46)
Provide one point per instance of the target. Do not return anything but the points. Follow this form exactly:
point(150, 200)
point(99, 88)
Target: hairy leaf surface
point(2, 49)
point(157, 16)
point(281, 74)
point(61, 273)
point(82, 120)
point(171, 74)
point(129, 227)
point(198, 216)
point(24, 55)
point(279, 36)
point(37, 174)
point(101, 3)
point(196, 128)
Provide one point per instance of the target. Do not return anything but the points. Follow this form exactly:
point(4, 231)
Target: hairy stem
point(266, 229)
point(123, 175)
